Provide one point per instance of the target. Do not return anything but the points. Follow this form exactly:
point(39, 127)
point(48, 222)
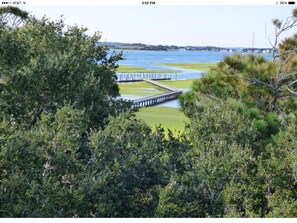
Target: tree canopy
point(12, 16)
point(70, 148)
point(270, 86)
point(45, 64)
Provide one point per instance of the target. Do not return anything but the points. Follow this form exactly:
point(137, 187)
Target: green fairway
point(140, 89)
point(133, 69)
point(167, 117)
point(179, 83)
point(192, 66)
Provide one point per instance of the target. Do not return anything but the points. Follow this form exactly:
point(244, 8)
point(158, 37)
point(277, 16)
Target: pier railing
point(155, 99)
point(132, 77)
point(150, 78)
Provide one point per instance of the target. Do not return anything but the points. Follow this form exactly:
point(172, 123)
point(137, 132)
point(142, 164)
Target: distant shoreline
point(148, 47)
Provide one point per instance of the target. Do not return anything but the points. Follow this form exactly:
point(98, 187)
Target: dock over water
point(151, 78)
point(157, 99)
point(134, 77)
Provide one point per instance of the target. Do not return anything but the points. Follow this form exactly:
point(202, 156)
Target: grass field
point(133, 69)
point(179, 83)
point(167, 117)
point(140, 89)
point(192, 66)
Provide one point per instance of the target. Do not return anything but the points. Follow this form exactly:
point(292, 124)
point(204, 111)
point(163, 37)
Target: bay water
point(152, 60)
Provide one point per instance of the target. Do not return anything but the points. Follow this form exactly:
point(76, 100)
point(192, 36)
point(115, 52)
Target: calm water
point(149, 60)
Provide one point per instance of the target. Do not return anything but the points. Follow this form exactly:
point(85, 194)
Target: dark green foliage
point(51, 171)
point(67, 149)
point(242, 164)
point(250, 79)
point(256, 133)
point(44, 64)
point(41, 167)
point(127, 158)
point(277, 168)
point(190, 103)
point(236, 76)
point(222, 153)
point(12, 17)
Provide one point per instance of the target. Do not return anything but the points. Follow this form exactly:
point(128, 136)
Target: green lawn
point(192, 66)
point(140, 89)
point(168, 117)
point(179, 83)
point(133, 69)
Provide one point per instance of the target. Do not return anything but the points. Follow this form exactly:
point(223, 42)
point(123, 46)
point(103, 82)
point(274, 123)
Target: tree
point(277, 171)
point(236, 166)
point(44, 64)
point(284, 83)
point(128, 161)
point(288, 52)
point(58, 169)
point(267, 85)
point(12, 17)
point(223, 141)
point(279, 28)
point(42, 167)
point(229, 79)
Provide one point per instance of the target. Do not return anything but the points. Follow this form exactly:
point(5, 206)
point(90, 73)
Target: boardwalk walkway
point(133, 77)
point(161, 85)
point(157, 99)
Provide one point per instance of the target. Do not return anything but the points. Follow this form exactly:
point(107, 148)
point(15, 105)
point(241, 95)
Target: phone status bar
point(148, 2)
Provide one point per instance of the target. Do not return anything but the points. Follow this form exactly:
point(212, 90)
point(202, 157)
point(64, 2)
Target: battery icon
point(291, 3)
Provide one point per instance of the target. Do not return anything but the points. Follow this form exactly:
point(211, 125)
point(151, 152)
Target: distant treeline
point(141, 46)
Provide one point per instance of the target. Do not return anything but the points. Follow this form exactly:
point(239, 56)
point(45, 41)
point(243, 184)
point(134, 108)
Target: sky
point(223, 26)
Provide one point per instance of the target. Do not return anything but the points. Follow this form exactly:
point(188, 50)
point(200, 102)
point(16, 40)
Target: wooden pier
point(158, 84)
point(157, 99)
point(133, 77)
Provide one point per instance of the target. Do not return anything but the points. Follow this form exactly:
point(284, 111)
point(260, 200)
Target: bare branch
point(291, 84)
point(290, 23)
point(280, 27)
point(254, 81)
point(268, 38)
point(294, 93)
point(287, 95)
point(284, 76)
point(12, 16)
point(281, 76)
